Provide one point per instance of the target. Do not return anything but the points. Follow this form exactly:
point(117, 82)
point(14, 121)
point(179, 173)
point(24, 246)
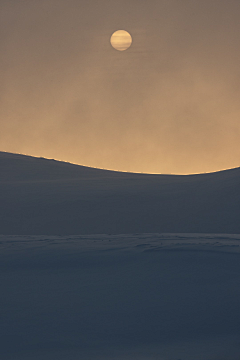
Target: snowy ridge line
point(137, 242)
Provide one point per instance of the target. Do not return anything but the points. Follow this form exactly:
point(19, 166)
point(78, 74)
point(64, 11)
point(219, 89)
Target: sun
point(121, 40)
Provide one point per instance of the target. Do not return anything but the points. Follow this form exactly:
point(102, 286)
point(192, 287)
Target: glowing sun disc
point(121, 40)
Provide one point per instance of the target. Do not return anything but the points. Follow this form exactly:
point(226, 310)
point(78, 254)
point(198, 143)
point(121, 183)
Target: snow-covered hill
point(40, 196)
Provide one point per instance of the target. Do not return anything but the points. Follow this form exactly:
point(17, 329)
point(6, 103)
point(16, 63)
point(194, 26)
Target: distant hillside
point(40, 196)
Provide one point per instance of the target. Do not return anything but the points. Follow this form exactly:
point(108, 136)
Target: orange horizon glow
point(167, 105)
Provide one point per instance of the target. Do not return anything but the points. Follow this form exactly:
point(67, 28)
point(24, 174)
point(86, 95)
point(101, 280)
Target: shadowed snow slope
point(120, 297)
point(40, 196)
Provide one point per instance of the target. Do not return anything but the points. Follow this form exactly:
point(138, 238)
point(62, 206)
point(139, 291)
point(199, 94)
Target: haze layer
point(169, 104)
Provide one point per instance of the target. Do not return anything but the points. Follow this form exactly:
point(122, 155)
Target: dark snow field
point(168, 291)
point(120, 297)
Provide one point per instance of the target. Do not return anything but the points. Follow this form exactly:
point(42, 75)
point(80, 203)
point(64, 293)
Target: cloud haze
point(169, 104)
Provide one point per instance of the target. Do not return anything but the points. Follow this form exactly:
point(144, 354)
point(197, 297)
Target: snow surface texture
point(40, 196)
point(122, 297)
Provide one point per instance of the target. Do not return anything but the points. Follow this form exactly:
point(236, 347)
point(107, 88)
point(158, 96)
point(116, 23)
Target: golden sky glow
point(169, 104)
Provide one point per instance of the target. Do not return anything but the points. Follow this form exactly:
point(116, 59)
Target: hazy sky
point(168, 104)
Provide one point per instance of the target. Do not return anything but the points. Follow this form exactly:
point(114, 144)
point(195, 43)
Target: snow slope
point(139, 296)
point(40, 196)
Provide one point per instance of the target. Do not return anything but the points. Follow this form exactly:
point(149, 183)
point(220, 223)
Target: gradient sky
point(168, 104)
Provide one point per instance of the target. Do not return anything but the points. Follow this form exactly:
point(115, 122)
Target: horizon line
point(119, 171)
